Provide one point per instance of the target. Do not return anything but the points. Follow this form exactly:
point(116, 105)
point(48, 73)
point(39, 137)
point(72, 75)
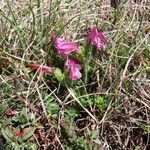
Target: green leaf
point(28, 134)
point(53, 109)
point(72, 112)
point(7, 134)
point(5, 121)
point(22, 118)
point(3, 108)
point(97, 141)
point(30, 146)
point(100, 102)
point(146, 127)
point(16, 146)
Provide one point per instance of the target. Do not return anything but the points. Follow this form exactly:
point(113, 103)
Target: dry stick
point(36, 140)
point(66, 98)
point(28, 91)
point(75, 98)
point(42, 102)
point(4, 81)
point(139, 79)
point(108, 108)
point(59, 142)
point(52, 92)
point(147, 143)
point(147, 95)
point(119, 138)
point(93, 94)
point(140, 101)
point(27, 49)
point(15, 57)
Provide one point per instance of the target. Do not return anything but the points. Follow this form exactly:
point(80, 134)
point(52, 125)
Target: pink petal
point(75, 68)
point(73, 62)
point(65, 47)
point(96, 38)
point(75, 74)
point(103, 37)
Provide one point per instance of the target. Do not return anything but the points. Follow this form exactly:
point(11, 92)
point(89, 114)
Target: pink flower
point(41, 68)
point(97, 39)
point(75, 68)
point(64, 47)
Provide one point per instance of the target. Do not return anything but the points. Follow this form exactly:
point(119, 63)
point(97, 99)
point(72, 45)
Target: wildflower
point(64, 48)
point(21, 133)
point(75, 68)
point(41, 68)
point(97, 39)
point(18, 133)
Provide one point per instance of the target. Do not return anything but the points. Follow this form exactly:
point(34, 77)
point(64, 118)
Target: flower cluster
point(65, 48)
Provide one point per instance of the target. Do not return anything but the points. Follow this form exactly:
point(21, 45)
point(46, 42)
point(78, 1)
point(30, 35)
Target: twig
point(75, 98)
point(42, 102)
